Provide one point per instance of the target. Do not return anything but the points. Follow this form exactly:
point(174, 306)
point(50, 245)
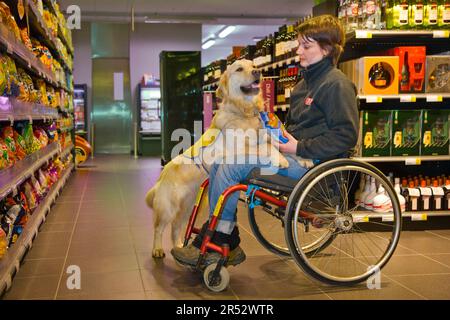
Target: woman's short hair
point(328, 33)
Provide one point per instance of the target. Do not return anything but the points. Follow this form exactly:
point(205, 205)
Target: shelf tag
point(275, 108)
point(363, 34)
point(374, 99)
point(413, 161)
point(419, 217)
point(283, 107)
point(441, 33)
point(387, 217)
point(280, 64)
point(358, 218)
point(434, 98)
point(407, 98)
point(297, 59)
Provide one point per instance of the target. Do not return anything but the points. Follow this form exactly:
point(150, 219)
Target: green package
point(406, 132)
point(435, 135)
point(376, 133)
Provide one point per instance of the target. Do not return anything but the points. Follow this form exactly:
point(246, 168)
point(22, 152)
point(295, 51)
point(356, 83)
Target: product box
point(377, 75)
point(435, 132)
point(411, 71)
point(376, 132)
point(406, 132)
point(437, 74)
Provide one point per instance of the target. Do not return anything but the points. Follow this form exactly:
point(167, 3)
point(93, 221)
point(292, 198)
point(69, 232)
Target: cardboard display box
point(376, 130)
point(377, 75)
point(435, 132)
point(406, 132)
point(411, 71)
point(438, 74)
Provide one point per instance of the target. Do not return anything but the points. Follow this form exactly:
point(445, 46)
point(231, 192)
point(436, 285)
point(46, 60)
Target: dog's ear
point(222, 90)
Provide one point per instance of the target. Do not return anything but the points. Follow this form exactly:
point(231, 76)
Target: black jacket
point(323, 114)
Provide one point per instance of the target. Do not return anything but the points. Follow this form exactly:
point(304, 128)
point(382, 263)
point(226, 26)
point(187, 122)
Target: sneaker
point(189, 256)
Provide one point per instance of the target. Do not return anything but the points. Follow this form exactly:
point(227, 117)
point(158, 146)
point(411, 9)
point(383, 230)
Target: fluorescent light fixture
point(208, 44)
point(226, 31)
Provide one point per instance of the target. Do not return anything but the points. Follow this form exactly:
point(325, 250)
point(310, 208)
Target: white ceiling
point(252, 17)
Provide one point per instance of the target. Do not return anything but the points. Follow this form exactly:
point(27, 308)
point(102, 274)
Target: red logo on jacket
point(308, 101)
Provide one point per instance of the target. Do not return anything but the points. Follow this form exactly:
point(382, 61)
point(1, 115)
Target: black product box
point(435, 132)
point(376, 133)
point(406, 132)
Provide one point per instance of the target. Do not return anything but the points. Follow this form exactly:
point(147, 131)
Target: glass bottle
point(404, 82)
point(444, 14)
point(431, 14)
point(379, 77)
point(416, 14)
point(400, 14)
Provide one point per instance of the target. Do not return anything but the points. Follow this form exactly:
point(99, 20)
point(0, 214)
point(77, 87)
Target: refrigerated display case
point(149, 119)
point(181, 97)
point(80, 109)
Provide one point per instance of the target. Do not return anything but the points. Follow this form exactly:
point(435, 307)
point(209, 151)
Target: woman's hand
point(288, 147)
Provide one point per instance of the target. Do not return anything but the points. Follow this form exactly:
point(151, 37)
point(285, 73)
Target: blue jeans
point(222, 176)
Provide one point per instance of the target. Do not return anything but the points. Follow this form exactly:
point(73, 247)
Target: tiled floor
point(100, 223)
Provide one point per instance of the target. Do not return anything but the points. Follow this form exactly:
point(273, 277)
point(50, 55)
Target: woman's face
point(309, 51)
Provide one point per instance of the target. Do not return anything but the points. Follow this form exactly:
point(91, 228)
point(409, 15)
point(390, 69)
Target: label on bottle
point(437, 191)
point(413, 192)
point(425, 191)
point(446, 14)
point(287, 93)
point(432, 14)
point(380, 82)
point(403, 14)
point(370, 7)
point(418, 14)
point(354, 9)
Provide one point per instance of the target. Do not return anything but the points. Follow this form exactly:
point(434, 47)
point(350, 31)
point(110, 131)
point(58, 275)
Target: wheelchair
point(328, 234)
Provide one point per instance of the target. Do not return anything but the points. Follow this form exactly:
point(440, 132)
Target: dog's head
point(239, 83)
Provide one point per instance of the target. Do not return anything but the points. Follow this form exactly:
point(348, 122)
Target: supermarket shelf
point(52, 8)
point(408, 160)
point(210, 86)
point(37, 21)
point(12, 177)
point(10, 263)
point(282, 107)
point(410, 101)
point(358, 35)
point(26, 58)
point(366, 216)
point(12, 109)
point(365, 42)
point(279, 64)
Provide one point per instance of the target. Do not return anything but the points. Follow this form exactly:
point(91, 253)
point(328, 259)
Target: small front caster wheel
point(218, 284)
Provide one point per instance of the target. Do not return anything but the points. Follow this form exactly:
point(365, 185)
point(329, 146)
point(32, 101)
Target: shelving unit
point(13, 110)
point(10, 263)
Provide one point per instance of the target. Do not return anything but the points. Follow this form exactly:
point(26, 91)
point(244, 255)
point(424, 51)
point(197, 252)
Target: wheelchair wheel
point(262, 225)
point(330, 237)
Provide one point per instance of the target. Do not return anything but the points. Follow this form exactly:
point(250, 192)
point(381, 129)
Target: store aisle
point(100, 223)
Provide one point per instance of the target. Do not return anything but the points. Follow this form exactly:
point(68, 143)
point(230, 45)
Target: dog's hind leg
point(159, 226)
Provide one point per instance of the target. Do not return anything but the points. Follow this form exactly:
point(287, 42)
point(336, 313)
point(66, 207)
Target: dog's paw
point(283, 163)
point(306, 163)
point(158, 253)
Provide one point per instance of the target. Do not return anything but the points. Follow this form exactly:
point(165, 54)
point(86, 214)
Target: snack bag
point(8, 138)
point(274, 125)
point(41, 136)
point(3, 243)
point(20, 145)
point(25, 38)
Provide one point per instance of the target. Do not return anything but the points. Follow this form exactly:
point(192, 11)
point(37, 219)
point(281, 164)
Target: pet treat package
point(274, 125)
point(435, 132)
point(376, 133)
point(406, 133)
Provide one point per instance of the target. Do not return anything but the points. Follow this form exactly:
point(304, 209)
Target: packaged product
point(31, 142)
point(43, 180)
point(10, 71)
point(5, 156)
point(41, 136)
point(8, 20)
point(42, 91)
point(8, 137)
point(3, 243)
point(20, 146)
point(25, 38)
point(30, 195)
point(275, 127)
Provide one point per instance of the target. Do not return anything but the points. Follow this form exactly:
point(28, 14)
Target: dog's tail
point(149, 197)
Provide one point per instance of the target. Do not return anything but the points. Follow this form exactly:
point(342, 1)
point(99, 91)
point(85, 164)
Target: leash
point(252, 202)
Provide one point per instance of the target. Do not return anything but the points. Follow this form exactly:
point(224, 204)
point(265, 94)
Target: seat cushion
point(274, 182)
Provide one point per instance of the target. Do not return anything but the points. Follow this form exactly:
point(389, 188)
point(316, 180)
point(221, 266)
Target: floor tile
point(38, 268)
point(29, 288)
point(436, 287)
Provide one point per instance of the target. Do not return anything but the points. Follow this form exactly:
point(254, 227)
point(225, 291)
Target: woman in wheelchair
point(322, 124)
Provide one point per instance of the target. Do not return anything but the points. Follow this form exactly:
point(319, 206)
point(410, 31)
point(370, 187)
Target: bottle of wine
point(444, 14)
point(400, 14)
point(379, 77)
point(416, 14)
point(404, 82)
point(431, 14)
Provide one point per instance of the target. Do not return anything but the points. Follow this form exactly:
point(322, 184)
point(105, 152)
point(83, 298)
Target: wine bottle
point(379, 77)
point(404, 82)
point(444, 14)
point(431, 14)
point(416, 14)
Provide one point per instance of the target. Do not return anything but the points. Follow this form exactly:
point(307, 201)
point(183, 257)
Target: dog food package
point(376, 133)
point(406, 132)
point(274, 125)
point(435, 132)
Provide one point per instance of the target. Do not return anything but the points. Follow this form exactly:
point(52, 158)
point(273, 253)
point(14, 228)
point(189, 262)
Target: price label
point(374, 99)
point(413, 161)
point(275, 108)
point(419, 217)
point(387, 217)
point(360, 218)
point(408, 98)
point(297, 59)
point(280, 64)
point(434, 98)
point(441, 34)
point(363, 34)
point(284, 107)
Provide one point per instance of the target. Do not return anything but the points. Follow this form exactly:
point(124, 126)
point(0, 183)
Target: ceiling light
point(208, 44)
point(226, 31)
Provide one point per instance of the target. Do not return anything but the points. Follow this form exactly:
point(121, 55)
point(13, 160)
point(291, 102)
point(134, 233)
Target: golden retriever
point(173, 196)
